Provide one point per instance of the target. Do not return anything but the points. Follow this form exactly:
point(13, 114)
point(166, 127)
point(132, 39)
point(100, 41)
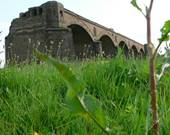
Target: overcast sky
point(117, 14)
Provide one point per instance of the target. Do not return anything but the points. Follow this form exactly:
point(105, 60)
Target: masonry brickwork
point(53, 29)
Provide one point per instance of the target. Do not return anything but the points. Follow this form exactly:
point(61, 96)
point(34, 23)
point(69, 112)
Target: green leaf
point(88, 106)
point(73, 102)
point(93, 107)
point(134, 3)
point(77, 103)
point(165, 30)
point(66, 72)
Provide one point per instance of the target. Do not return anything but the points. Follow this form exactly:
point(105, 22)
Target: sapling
point(152, 53)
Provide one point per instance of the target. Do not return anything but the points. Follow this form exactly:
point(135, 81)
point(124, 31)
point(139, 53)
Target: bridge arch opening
point(82, 42)
point(108, 47)
point(142, 53)
point(134, 52)
point(124, 48)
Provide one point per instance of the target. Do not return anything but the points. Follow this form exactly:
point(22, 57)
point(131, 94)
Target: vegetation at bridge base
point(32, 98)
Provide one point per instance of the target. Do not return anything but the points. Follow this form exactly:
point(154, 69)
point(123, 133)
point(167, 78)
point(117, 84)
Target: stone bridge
point(52, 28)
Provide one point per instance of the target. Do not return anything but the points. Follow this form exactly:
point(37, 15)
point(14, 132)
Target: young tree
point(152, 52)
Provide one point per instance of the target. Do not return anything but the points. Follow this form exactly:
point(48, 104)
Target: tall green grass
point(32, 98)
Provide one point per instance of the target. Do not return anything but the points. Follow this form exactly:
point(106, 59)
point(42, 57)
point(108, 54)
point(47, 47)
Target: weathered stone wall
point(53, 29)
point(60, 42)
point(19, 45)
point(38, 28)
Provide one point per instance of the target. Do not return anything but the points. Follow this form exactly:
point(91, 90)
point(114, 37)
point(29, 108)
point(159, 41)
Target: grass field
point(32, 99)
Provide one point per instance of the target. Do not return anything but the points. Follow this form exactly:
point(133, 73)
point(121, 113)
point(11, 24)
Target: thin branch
point(156, 50)
point(150, 7)
point(143, 13)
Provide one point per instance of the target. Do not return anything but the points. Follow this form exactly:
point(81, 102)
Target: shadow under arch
point(108, 47)
point(134, 52)
point(82, 42)
point(124, 48)
point(142, 53)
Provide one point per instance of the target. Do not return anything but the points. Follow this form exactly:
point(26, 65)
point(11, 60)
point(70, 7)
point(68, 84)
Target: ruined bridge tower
point(40, 28)
point(53, 29)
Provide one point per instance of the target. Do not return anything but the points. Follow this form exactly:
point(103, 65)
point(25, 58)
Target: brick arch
point(141, 53)
point(134, 51)
point(122, 39)
point(108, 47)
point(124, 47)
point(82, 42)
point(83, 25)
point(104, 33)
point(141, 49)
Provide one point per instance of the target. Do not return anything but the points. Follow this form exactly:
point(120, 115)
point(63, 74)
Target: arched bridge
point(64, 33)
